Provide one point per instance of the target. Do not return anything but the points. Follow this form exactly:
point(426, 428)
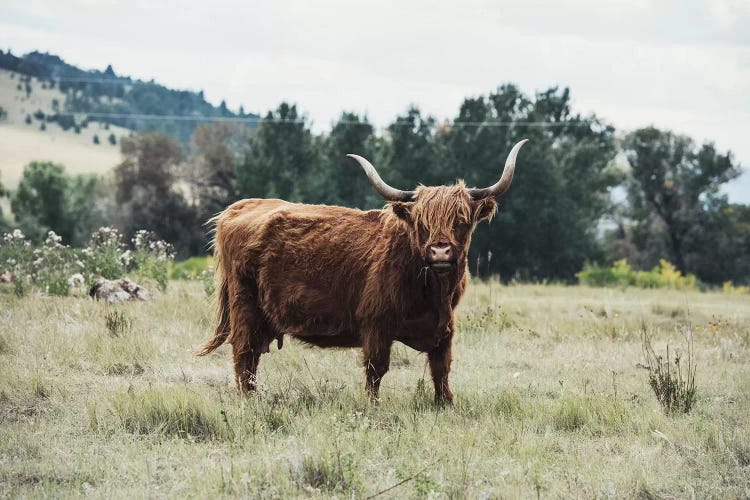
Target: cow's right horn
point(386, 191)
point(503, 184)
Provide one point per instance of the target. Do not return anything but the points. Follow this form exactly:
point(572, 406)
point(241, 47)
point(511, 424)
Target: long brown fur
point(338, 277)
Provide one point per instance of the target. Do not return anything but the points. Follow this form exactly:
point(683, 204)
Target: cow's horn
point(386, 191)
point(503, 184)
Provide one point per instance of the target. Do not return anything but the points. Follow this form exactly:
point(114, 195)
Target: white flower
point(76, 280)
point(17, 234)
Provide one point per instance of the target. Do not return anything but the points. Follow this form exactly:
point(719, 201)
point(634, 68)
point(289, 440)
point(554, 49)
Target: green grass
point(109, 401)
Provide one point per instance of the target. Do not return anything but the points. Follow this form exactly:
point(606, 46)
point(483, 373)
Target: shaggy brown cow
point(340, 277)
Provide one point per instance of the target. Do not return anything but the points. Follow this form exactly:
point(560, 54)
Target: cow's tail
point(222, 301)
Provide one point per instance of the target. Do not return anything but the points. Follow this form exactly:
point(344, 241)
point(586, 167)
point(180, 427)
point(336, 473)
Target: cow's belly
point(304, 311)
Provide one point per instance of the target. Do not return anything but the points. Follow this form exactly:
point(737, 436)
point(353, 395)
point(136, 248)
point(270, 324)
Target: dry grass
point(549, 402)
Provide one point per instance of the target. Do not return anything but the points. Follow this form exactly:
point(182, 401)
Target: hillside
point(22, 142)
point(118, 100)
point(55, 111)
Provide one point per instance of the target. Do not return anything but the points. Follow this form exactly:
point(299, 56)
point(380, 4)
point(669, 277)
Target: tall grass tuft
point(117, 323)
point(177, 413)
point(675, 390)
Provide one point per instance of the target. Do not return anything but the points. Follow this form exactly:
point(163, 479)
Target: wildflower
point(126, 257)
point(76, 280)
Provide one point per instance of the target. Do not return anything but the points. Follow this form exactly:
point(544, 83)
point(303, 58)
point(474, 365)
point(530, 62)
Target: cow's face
point(441, 221)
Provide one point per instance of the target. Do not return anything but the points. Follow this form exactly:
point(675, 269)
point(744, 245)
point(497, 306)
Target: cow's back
point(309, 262)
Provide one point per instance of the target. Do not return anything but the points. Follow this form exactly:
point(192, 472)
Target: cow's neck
point(418, 285)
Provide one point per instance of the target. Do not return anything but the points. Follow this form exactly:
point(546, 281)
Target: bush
point(665, 275)
point(58, 269)
point(53, 266)
point(730, 288)
point(151, 257)
point(191, 268)
point(15, 255)
point(105, 255)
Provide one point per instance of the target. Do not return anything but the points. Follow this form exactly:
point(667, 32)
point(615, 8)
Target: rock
point(114, 292)
point(7, 276)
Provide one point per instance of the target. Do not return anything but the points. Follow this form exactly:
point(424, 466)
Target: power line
point(255, 120)
point(258, 119)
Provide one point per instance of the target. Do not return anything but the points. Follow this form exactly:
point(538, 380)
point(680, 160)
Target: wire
point(258, 119)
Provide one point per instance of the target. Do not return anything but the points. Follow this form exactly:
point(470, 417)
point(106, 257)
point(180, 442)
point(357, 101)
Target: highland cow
point(340, 277)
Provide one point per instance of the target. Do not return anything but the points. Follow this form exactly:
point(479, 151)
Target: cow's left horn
point(503, 184)
point(386, 191)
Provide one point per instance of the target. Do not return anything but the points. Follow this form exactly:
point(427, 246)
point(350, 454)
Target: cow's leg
point(248, 332)
point(245, 367)
point(377, 358)
point(440, 366)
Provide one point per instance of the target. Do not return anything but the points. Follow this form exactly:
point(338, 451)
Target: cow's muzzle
point(441, 257)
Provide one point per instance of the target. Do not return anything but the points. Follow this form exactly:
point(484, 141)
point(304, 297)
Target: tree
point(40, 203)
point(546, 226)
point(409, 155)
point(149, 195)
point(280, 159)
point(210, 168)
point(338, 180)
point(674, 186)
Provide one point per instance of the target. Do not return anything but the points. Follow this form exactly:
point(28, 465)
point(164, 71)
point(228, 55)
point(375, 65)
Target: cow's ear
point(484, 209)
point(402, 210)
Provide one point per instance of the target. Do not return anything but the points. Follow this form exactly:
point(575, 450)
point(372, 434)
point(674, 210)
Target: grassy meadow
point(109, 401)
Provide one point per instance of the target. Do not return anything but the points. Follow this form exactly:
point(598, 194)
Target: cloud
point(683, 65)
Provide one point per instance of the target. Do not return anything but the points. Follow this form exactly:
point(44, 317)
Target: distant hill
point(106, 97)
point(29, 130)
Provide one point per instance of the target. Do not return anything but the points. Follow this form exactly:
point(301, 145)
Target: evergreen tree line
point(582, 193)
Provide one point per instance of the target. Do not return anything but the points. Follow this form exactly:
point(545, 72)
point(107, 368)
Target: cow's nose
point(441, 252)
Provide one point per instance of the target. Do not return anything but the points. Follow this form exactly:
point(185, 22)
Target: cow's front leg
point(440, 366)
point(377, 359)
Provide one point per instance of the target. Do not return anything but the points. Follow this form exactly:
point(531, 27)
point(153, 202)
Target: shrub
point(665, 275)
point(151, 257)
point(53, 265)
point(15, 256)
point(191, 268)
point(104, 254)
point(730, 288)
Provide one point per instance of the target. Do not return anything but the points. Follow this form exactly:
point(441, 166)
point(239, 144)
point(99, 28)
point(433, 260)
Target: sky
point(680, 65)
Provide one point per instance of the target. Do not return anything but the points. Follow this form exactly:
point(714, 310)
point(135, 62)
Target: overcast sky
point(682, 65)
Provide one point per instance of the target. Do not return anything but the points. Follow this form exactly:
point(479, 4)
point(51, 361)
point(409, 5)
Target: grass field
point(109, 401)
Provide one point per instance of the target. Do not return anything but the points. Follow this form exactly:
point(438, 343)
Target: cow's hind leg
point(249, 335)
